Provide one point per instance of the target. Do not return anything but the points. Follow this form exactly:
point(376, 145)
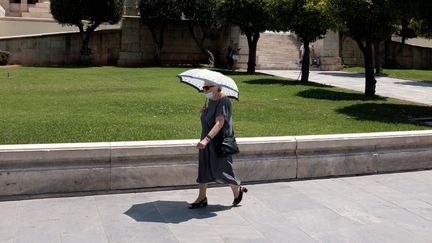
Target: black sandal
point(240, 196)
point(201, 204)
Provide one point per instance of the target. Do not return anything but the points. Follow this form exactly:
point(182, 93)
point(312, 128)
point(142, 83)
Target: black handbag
point(226, 145)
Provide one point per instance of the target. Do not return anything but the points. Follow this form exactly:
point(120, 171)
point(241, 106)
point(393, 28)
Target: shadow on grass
point(191, 66)
point(388, 113)
point(283, 82)
point(236, 73)
point(61, 66)
point(323, 94)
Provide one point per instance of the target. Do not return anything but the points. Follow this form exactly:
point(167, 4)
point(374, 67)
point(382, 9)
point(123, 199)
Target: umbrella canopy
point(197, 77)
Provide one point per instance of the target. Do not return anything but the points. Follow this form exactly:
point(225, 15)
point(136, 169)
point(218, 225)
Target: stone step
point(14, 14)
point(37, 15)
point(39, 10)
point(285, 62)
point(278, 63)
point(277, 67)
point(280, 52)
point(277, 60)
point(277, 51)
point(43, 5)
point(276, 55)
point(286, 52)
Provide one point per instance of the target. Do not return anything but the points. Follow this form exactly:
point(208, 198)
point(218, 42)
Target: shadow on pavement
point(283, 82)
point(417, 83)
point(337, 74)
point(171, 212)
point(323, 94)
point(388, 113)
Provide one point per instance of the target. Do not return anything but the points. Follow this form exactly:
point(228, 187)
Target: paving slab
point(409, 90)
point(376, 208)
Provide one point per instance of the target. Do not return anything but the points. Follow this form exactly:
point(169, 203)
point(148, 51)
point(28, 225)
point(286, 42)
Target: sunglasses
point(205, 88)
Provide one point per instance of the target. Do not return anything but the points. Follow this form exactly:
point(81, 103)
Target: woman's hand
point(203, 108)
point(202, 144)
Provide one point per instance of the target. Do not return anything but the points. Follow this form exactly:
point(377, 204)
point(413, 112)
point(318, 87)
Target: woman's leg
point(238, 193)
point(202, 192)
point(235, 189)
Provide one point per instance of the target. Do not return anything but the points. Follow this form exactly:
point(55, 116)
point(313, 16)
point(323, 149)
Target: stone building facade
point(25, 8)
point(274, 50)
point(132, 45)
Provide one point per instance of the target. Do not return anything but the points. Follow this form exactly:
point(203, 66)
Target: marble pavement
point(375, 208)
point(414, 91)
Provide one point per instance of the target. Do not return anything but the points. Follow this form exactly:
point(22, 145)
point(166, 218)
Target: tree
point(367, 22)
point(87, 16)
point(156, 14)
point(252, 17)
point(403, 14)
point(423, 18)
point(203, 23)
point(306, 18)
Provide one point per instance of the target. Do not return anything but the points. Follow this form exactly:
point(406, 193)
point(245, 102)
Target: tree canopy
point(252, 17)
point(367, 22)
point(156, 14)
point(306, 18)
point(86, 15)
point(423, 18)
point(203, 22)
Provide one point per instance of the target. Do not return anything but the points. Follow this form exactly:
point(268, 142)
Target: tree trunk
point(377, 58)
point(404, 35)
point(388, 62)
point(200, 43)
point(211, 58)
point(252, 38)
point(305, 62)
point(157, 31)
point(399, 51)
point(341, 45)
point(85, 50)
point(86, 30)
point(160, 45)
point(369, 70)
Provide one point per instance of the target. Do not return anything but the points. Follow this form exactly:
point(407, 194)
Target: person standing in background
point(229, 59)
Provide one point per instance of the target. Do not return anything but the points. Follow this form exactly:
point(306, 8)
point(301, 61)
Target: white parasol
point(197, 77)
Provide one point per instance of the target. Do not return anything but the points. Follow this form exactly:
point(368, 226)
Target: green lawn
point(411, 74)
point(56, 105)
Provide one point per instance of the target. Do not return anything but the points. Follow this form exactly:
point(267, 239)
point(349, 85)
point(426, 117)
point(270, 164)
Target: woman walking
point(211, 168)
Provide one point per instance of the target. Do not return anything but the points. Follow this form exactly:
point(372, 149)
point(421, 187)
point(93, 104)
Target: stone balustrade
point(90, 167)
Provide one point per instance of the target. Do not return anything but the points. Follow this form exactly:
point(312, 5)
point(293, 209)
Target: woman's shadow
point(171, 212)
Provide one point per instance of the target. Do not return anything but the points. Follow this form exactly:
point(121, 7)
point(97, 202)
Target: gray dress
point(212, 168)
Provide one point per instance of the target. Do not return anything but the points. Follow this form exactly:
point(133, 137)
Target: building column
point(24, 6)
point(329, 57)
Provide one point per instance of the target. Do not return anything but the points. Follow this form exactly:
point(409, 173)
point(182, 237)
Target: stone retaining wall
point(62, 48)
point(138, 48)
point(65, 168)
point(413, 57)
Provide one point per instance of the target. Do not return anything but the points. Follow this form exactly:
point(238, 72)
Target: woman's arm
point(220, 121)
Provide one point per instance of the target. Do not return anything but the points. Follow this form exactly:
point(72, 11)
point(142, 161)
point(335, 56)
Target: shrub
point(4, 57)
